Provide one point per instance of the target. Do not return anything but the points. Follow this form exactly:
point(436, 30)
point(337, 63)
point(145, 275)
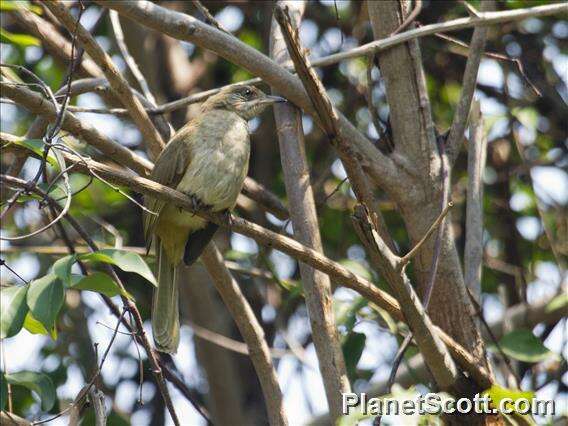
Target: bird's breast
point(219, 161)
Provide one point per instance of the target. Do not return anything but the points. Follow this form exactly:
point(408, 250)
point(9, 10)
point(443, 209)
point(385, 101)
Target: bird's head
point(246, 101)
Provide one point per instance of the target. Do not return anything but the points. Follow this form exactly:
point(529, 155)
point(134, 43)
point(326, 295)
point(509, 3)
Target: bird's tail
point(165, 306)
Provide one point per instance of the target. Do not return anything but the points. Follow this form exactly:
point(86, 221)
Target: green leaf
point(62, 268)
point(3, 391)
point(45, 298)
point(36, 327)
point(237, 255)
point(125, 260)
point(14, 309)
point(346, 312)
point(353, 346)
point(37, 382)
point(20, 40)
point(36, 146)
point(10, 5)
point(101, 283)
point(498, 393)
point(357, 268)
point(524, 346)
point(559, 302)
point(528, 116)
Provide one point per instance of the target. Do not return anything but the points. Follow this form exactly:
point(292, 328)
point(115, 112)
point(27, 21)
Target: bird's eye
point(248, 93)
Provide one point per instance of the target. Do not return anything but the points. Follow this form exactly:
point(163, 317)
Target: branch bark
point(250, 329)
point(37, 104)
point(337, 272)
point(187, 28)
point(431, 347)
point(306, 229)
point(459, 122)
point(418, 195)
point(473, 254)
point(117, 81)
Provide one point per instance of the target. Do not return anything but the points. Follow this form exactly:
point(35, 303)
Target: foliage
point(524, 214)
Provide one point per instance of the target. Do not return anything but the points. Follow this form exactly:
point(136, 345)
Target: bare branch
point(37, 104)
point(329, 119)
point(231, 344)
point(119, 36)
point(473, 253)
point(432, 348)
point(210, 19)
point(408, 256)
point(118, 83)
point(459, 122)
point(316, 284)
point(250, 329)
point(187, 28)
point(484, 19)
point(287, 245)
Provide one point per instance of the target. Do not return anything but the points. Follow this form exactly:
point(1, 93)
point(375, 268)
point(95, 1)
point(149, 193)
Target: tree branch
point(37, 104)
point(337, 272)
point(306, 228)
point(250, 329)
point(473, 253)
point(329, 119)
point(117, 82)
point(431, 347)
point(484, 19)
point(119, 37)
point(187, 28)
point(459, 122)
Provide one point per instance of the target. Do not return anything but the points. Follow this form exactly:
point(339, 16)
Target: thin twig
point(494, 55)
point(231, 344)
point(459, 122)
point(479, 313)
point(119, 37)
point(408, 256)
point(470, 9)
point(473, 252)
point(410, 18)
point(209, 18)
point(117, 82)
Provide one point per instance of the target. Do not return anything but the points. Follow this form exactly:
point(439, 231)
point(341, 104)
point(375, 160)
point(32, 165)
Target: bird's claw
point(228, 217)
point(196, 203)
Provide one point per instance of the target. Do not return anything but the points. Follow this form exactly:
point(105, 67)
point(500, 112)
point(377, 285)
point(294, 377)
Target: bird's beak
point(269, 99)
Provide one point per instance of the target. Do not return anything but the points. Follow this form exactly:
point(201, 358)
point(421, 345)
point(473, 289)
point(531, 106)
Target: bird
point(207, 159)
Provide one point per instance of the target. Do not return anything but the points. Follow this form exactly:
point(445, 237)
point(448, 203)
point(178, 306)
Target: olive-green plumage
point(206, 159)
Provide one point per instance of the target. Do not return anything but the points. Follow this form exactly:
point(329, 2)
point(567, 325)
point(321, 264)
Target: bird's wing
point(168, 170)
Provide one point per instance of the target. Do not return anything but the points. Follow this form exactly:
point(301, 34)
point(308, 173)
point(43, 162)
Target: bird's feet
point(197, 204)
point(228, 217)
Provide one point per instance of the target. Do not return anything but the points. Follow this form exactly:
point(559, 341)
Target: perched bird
point(206, 159)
